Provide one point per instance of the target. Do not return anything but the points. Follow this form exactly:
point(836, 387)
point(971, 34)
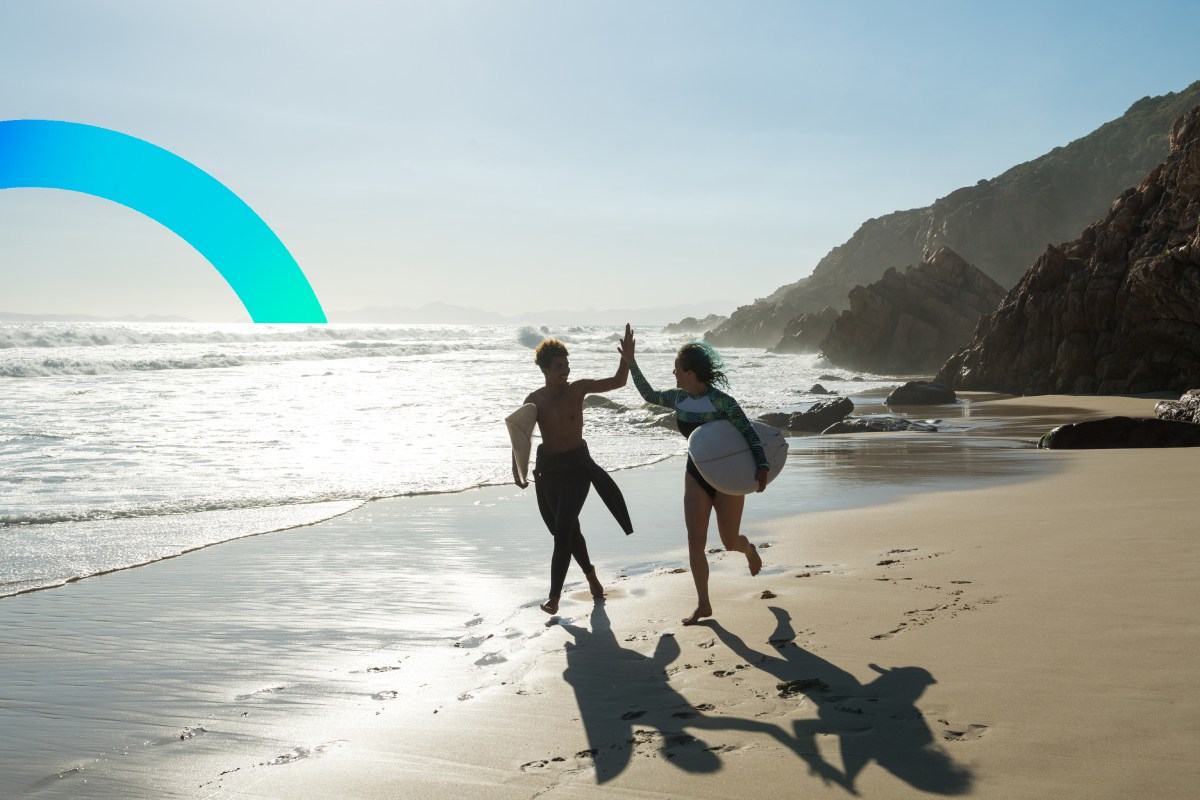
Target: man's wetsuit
point(562, 483)
point(693, 411)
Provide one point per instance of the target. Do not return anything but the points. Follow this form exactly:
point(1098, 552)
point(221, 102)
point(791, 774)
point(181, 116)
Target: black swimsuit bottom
point(686, 429)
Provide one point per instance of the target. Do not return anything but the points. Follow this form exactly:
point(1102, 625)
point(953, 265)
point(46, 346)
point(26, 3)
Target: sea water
point(125, 443)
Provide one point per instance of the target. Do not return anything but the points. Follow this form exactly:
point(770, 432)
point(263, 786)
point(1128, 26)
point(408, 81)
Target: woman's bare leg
point(729, 525)
point(697, 508)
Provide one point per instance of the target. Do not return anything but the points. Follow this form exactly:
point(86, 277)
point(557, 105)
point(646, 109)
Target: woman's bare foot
point(594, 584)
point(754, 559)
point(550, 606)
point(702, 611)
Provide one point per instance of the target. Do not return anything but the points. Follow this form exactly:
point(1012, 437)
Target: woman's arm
point(666, 399)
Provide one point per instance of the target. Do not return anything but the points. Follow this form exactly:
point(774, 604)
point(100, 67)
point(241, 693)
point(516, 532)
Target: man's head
point(551, 357)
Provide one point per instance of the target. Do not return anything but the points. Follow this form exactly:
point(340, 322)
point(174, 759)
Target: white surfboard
point(723, 457)
point(520, 431)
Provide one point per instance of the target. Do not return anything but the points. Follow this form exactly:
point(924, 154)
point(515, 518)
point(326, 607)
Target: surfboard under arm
point(520, 425)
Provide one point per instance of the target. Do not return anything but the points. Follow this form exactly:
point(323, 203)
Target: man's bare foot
point(700, 613)
point(754, 559)
point(550, 606)
point(594, 584)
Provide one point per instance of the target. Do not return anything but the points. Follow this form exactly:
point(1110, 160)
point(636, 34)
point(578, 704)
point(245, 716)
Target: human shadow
point(877, 721)
point(628, 707)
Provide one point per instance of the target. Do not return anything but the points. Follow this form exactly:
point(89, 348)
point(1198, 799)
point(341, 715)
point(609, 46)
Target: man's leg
point(566, 495)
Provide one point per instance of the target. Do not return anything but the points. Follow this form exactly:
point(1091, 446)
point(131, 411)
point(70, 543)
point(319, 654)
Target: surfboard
point(723, 457)
point(520, 432)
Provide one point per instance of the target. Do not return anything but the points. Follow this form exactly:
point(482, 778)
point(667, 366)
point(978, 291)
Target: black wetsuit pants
point(563, 482)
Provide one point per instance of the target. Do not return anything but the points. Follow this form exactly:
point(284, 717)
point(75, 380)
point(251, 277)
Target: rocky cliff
point(804, 333)
point(1115, 311)
point(999, 225)
point(911, 322)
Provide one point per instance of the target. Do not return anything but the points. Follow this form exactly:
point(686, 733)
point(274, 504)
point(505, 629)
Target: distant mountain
point(440, 313)
point(11, 317)
point(443, 313)
point(999, 225)
point(1117, 311)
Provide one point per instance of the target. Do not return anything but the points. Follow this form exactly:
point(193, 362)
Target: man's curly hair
point(549, 350)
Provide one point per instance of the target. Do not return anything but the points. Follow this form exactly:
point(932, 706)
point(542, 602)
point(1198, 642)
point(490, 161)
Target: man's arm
point(595, 386)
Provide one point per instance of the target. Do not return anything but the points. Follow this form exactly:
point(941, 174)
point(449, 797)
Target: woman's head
point(702, 361)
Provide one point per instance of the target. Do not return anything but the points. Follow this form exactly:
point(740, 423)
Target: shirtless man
point(564, 470)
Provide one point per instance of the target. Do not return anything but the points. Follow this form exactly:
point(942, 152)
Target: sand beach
point(967, 620)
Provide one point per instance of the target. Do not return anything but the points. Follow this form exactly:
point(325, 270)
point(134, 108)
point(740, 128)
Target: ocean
point(123, 444)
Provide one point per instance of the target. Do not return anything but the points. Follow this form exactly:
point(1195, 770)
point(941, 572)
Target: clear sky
point(523, 155)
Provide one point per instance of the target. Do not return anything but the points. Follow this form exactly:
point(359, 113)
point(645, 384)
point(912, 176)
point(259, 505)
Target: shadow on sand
point(628, 707)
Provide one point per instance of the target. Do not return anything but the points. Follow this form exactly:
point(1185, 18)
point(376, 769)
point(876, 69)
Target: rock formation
point(1000, 225)
point(878, 425)
point(805, 332)
point(814, 420)
point(1114, 432)
point(921, 393)
point(1185, 409)
point(911, 322)
point(1117, 310)
point(693, 325)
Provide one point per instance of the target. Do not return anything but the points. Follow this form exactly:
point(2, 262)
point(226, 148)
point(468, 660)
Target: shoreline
point(449, 668)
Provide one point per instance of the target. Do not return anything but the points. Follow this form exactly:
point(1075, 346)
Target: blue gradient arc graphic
point(185, 199)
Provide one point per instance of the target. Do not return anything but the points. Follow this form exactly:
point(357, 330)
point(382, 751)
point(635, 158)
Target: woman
point(696, 400)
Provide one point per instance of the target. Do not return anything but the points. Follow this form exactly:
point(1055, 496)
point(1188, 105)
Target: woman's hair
point(705, 362)
point(549, 350)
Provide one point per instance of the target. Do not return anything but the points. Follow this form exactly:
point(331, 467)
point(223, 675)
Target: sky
point(537, 154)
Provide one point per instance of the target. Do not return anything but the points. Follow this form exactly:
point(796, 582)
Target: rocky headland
point(804, 333)
point(1117, 310)
point(911, 322)
point(693, 325)
point(1000, 225)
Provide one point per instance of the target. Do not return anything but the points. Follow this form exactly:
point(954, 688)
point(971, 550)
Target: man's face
point(557, 370)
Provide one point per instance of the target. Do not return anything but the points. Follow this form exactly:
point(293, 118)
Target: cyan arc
point(177, 194)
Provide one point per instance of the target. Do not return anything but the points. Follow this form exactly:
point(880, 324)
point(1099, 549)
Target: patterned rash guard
point(692, 412)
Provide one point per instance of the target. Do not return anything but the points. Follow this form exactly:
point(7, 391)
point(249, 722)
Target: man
point(564, 469)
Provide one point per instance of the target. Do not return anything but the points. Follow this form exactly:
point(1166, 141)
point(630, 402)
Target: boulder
point(912, 321)
point(878, 425)
point(1117, 311)
point(1114, 432)
point(600, 401)
point(814, 420)
point(921, 393)
point(1185, 409)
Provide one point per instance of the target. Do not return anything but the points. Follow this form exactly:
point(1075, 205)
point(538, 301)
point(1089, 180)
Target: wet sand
point(932, 618)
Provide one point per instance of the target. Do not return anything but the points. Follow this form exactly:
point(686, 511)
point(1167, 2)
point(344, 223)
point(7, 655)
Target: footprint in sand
point(472, 641)
point(633, 714)
point(388, 695)
point(490, 659)
point(962, 733)
point(725, 673)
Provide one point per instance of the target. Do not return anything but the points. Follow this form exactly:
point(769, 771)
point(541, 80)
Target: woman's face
point(684, 379)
